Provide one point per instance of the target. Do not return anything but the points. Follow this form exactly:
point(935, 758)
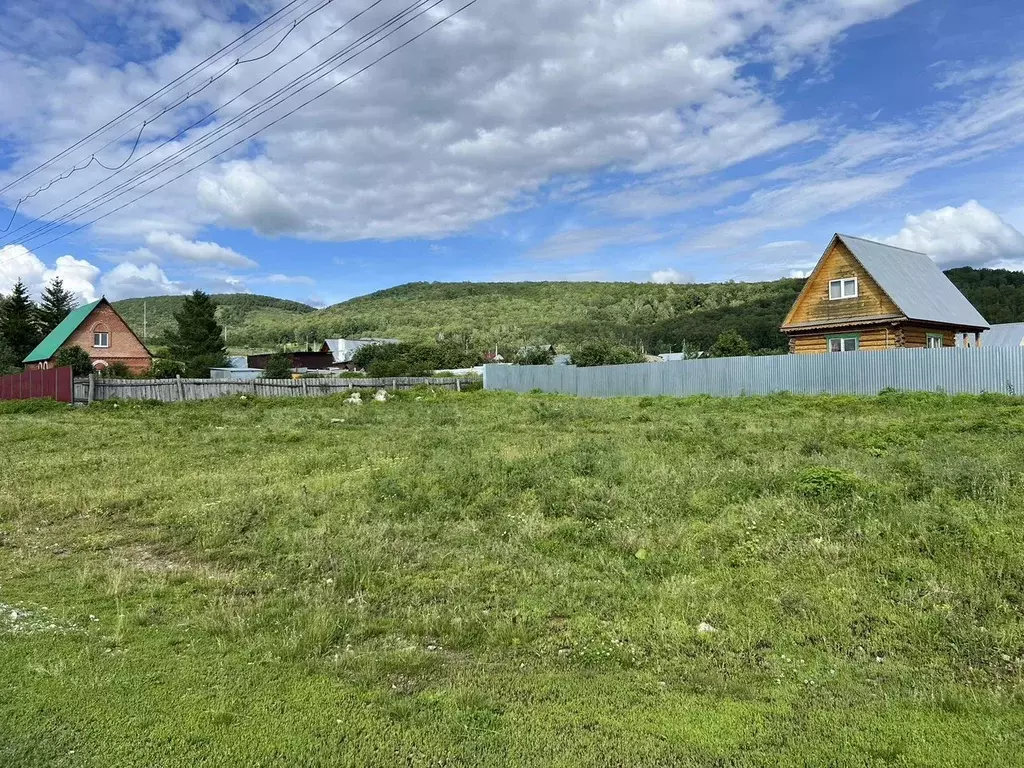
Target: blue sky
point(642, 140)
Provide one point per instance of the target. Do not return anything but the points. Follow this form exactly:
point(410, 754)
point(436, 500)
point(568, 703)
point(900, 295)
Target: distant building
point(343, 351)
point(1002, 335)
point(301, 361)
point(99, 330)
point(235, 374)
point(864, 295)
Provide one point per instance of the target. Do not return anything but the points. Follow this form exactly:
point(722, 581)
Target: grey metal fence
point(953, 371)
point(174, 390)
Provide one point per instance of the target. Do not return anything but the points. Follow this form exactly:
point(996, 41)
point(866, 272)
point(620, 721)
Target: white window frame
point(843, 284)
point(104, 335)
point(849, 343)
point(934, 337)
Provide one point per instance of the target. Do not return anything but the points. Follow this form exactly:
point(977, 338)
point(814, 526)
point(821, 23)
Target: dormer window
point(842, 289)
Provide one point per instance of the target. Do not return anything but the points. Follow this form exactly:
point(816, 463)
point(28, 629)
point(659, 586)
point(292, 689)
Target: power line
point(93, 159)
point(156, 94)
point(324, 68)
point(269, 125)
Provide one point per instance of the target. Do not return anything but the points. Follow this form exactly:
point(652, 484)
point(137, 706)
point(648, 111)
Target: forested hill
point(243, 313)
point(482, 315)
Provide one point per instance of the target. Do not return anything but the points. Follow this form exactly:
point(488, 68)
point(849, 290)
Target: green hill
point(240, 312)
point(481, 315)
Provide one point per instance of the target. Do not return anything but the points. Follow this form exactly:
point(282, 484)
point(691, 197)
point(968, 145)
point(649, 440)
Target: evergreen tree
point(57, 303)
point(18, 324)
point(279, 366)
point(198, 341)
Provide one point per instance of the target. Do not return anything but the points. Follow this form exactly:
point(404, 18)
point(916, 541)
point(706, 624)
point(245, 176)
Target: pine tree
point(19, 327)
point(57, 303)
point(198, 342)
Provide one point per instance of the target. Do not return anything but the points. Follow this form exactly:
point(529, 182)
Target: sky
point(662, 141)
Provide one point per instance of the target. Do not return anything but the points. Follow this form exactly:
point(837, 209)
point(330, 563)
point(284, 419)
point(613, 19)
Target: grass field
point(490, 579)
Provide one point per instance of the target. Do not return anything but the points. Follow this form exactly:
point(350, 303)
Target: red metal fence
point(54, 382)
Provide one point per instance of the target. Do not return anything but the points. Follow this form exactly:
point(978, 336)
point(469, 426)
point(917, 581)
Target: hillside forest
point(482, 317)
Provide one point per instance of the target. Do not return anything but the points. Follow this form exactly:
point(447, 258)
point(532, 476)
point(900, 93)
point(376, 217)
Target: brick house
point(100, 331)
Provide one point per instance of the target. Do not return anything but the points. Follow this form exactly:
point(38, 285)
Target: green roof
point(48, 347)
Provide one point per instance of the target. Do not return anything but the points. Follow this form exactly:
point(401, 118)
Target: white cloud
point(196, 251)
point(19, 263)
point(131, 280)
point(78, 275)
point(472, 122)
point(670, 275)
point(969, 235)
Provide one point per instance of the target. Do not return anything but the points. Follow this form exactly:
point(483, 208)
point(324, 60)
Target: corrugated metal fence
point(175, 390)
point(52, 382)
point(953, 371)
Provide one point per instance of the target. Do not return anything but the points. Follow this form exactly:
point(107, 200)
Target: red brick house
point(100, 331)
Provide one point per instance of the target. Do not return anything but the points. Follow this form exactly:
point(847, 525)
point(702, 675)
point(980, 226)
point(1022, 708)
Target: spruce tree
point(57, 303)
point(198, 342)
point(19, 326)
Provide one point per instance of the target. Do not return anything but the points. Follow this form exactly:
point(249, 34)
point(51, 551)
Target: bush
point(117, 370)
point(75, 358)
point(730, 344)
point(279, 366)
point(593, 353)
point(535, 356)
point(165, 369)
point(406, 359)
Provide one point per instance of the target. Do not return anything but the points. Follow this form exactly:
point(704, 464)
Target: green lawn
point(490, 579)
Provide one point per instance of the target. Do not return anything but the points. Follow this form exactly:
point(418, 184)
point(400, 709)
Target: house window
point(101, 339)
point(844, 343)
point(935, 341)
point(843, 289)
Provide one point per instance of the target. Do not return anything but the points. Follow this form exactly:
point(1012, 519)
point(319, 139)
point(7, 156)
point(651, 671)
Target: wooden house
point(864, 295)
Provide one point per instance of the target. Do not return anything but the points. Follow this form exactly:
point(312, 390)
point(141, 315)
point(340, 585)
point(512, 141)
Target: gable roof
point(915, 283)
point(48, 347)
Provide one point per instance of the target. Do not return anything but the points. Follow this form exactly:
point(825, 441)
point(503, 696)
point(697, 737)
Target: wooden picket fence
point(88, 390)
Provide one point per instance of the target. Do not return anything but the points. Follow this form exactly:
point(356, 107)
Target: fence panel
point(954, 371)
point(172, 390)
point(55, 383)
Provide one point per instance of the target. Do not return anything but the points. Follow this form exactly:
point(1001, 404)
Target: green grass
point(490, 579)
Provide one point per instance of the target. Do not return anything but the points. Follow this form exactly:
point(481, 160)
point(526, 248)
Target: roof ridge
point(885, 245)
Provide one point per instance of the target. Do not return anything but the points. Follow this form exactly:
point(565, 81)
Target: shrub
point(279, 366)
point(535, 356)
point(593, 353)
point(730, 344)
point(75, 358)
point(117, 370)
point(165, 369)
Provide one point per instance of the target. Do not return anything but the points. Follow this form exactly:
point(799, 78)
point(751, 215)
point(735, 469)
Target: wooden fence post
point(92, 386)
point(303, 381)
point(181, 389)
point(458, 385)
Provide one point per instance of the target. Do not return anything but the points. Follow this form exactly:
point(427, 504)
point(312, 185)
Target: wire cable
point(244, 117)
point(156, 94)
point(269, 125)
point(163, 112)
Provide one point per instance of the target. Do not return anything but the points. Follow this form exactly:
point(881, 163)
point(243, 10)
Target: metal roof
point(1004, 335)
point(48, 347)
point(915, 283)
